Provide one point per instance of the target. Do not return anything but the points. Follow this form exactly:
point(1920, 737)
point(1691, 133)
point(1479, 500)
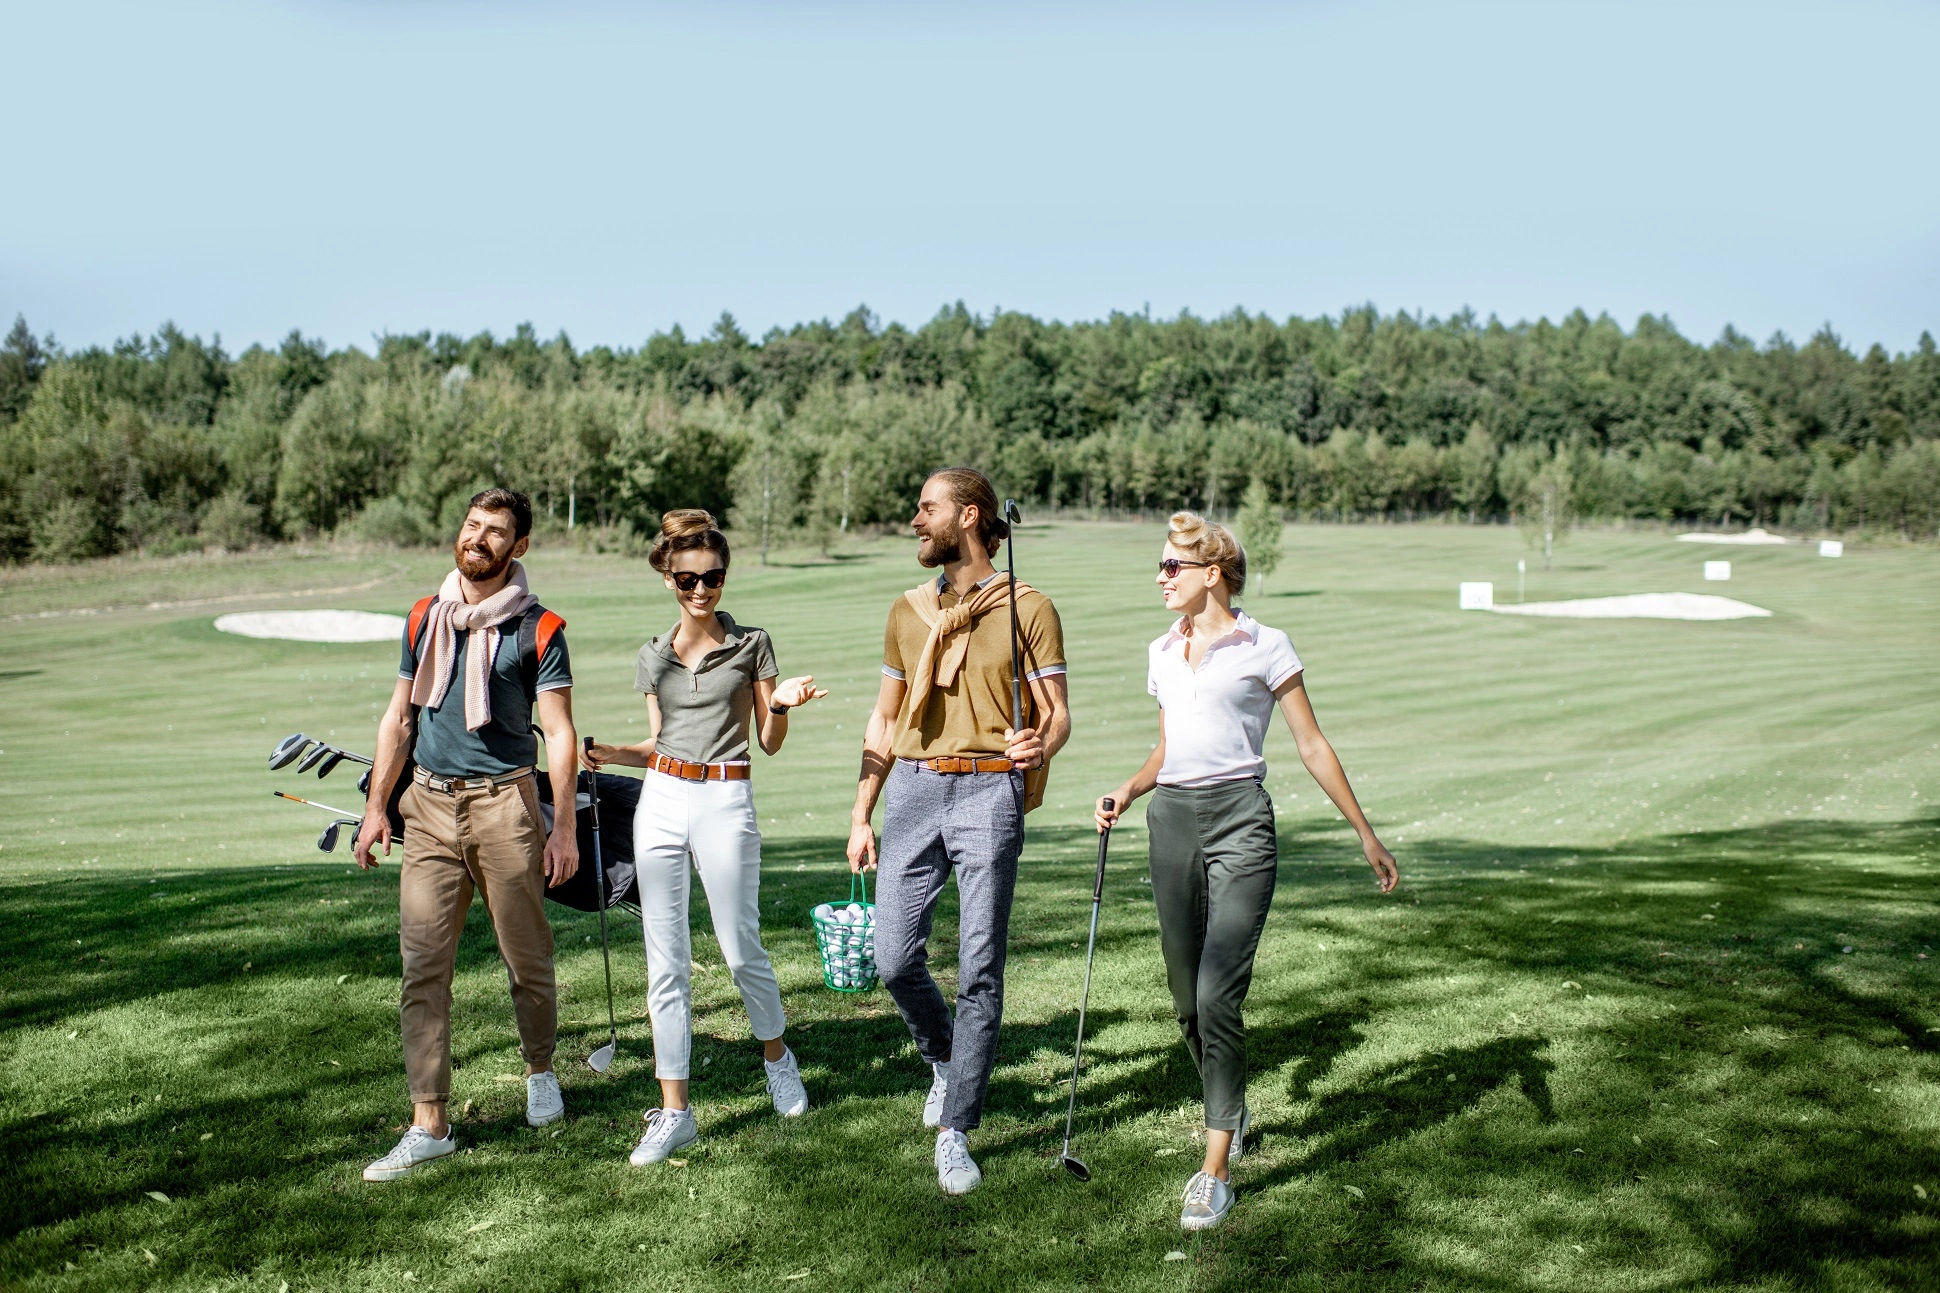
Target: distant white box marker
point(1717, 570)
point(1477, 597)
point(1831, 548)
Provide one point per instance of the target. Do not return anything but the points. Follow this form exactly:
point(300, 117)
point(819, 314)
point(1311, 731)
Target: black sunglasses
point(1171, 566)
point(714, 578)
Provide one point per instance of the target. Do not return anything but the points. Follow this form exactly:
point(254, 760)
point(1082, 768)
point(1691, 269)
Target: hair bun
point(685, 522)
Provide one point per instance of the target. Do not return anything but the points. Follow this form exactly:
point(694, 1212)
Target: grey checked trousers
point(935, 823)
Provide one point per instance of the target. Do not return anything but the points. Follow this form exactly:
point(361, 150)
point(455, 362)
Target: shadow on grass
point(1720, 956)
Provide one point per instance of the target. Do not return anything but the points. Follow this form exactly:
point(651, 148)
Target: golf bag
point(619, 797)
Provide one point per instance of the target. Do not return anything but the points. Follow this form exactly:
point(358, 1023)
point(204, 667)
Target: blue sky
point(352, 169)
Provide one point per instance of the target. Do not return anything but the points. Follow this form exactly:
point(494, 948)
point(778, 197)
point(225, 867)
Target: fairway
point(1653, 1007)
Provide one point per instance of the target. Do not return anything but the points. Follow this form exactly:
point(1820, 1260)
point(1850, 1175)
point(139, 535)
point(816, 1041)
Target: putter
point(329, 765)
point(1014, 518)
point(299, 799)
point(1072, 1163)
point(600, 1059)
point(313, 758)
point(287, 750)
point(327, 841)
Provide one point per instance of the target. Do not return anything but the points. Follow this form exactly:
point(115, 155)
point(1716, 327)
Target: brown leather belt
point(452, 785)
point(952, 765)
point(658, 762)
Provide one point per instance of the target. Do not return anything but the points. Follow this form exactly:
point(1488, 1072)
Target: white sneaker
point(785, 1085)
point(939, 1090)
point(543, 1103)
point(956, 1171)
point(1237, 1149)
point(418, 1146)
point(667, 1131)
point(1208, 1200)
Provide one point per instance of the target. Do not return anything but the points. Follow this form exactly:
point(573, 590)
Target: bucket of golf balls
point(846, 935)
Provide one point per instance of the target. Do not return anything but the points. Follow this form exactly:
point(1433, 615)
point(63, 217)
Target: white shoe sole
point(376, 1173)
point(545, 1121)
point(668, 1153)
point(1207, 1223)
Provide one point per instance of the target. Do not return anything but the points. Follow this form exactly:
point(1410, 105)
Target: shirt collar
point(943, 581)
point(1246, 629)
point(664, 644)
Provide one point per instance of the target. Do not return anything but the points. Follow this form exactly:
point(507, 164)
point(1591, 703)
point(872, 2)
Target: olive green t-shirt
point(704, 712)
point(970, 715)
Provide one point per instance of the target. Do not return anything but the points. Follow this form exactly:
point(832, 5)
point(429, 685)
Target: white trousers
point(713, 824)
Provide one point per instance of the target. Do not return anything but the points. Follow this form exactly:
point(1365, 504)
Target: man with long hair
point(477, 658)
point(959, 777)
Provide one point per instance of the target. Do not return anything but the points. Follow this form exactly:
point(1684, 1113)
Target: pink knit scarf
point(450, 613)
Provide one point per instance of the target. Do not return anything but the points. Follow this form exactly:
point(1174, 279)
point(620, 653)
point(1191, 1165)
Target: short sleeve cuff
point(557, 684)
point(407, 677)
point(889, 671)
point(1046, 672)
point(1281, 681)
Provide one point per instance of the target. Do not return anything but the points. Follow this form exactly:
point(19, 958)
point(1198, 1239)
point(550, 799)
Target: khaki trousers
point(492, 841)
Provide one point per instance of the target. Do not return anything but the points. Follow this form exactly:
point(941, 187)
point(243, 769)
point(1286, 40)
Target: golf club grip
point(1104, 838)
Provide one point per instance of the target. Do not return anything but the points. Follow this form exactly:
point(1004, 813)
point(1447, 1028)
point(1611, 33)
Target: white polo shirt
point(1216, 717)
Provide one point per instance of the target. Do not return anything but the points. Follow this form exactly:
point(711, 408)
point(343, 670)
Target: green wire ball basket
point(846, 937)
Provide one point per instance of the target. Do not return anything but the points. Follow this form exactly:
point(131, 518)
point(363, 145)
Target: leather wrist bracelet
point(777, 709)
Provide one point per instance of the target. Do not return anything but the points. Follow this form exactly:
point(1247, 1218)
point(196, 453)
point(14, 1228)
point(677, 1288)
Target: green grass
point(1607, 1035)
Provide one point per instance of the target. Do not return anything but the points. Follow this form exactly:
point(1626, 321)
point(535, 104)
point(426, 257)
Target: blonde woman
point(710, 684)
point(1218, 674)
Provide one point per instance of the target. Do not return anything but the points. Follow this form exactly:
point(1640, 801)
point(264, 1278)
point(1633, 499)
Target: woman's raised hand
point(797, 691)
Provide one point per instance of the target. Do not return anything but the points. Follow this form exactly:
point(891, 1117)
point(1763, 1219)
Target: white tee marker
point(1477, 597)
point(1717, 571)
point(1831, 548)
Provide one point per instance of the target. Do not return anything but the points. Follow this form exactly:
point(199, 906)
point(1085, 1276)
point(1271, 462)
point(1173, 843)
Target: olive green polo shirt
point(704, 711)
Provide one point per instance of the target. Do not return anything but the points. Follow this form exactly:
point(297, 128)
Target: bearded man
point(956, 773)
point(477, 657)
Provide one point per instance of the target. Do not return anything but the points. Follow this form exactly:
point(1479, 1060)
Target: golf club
point(363, 783)
point(329, 765)
point(313, 758)
point(1014, 518)
point(1073, 1164)
point(287, 750)
point(299, 799)
point(600, 1059)
point(327, 841)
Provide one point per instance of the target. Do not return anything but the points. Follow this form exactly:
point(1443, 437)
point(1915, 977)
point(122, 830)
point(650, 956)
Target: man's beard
point(477, 567)
point(936, 552)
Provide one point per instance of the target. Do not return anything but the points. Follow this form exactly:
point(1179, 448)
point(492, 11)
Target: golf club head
point(363, 783)
point(1076, 1167)
point(327, 842)
point(313, 758)
point(329, 765)
point(1011, 512)
point(286, 751)
point(602, 1059)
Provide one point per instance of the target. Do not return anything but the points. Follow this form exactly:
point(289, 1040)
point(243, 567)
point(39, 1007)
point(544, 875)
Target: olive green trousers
point(1214, 859)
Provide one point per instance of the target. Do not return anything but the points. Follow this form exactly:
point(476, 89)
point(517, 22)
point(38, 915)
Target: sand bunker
point(314, 626)
point(1753, 538)
point(1641, 606)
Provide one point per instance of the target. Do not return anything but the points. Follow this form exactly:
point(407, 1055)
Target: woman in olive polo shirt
point(707, 681)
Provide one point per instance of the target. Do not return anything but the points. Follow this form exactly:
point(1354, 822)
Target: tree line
point(167, 442)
